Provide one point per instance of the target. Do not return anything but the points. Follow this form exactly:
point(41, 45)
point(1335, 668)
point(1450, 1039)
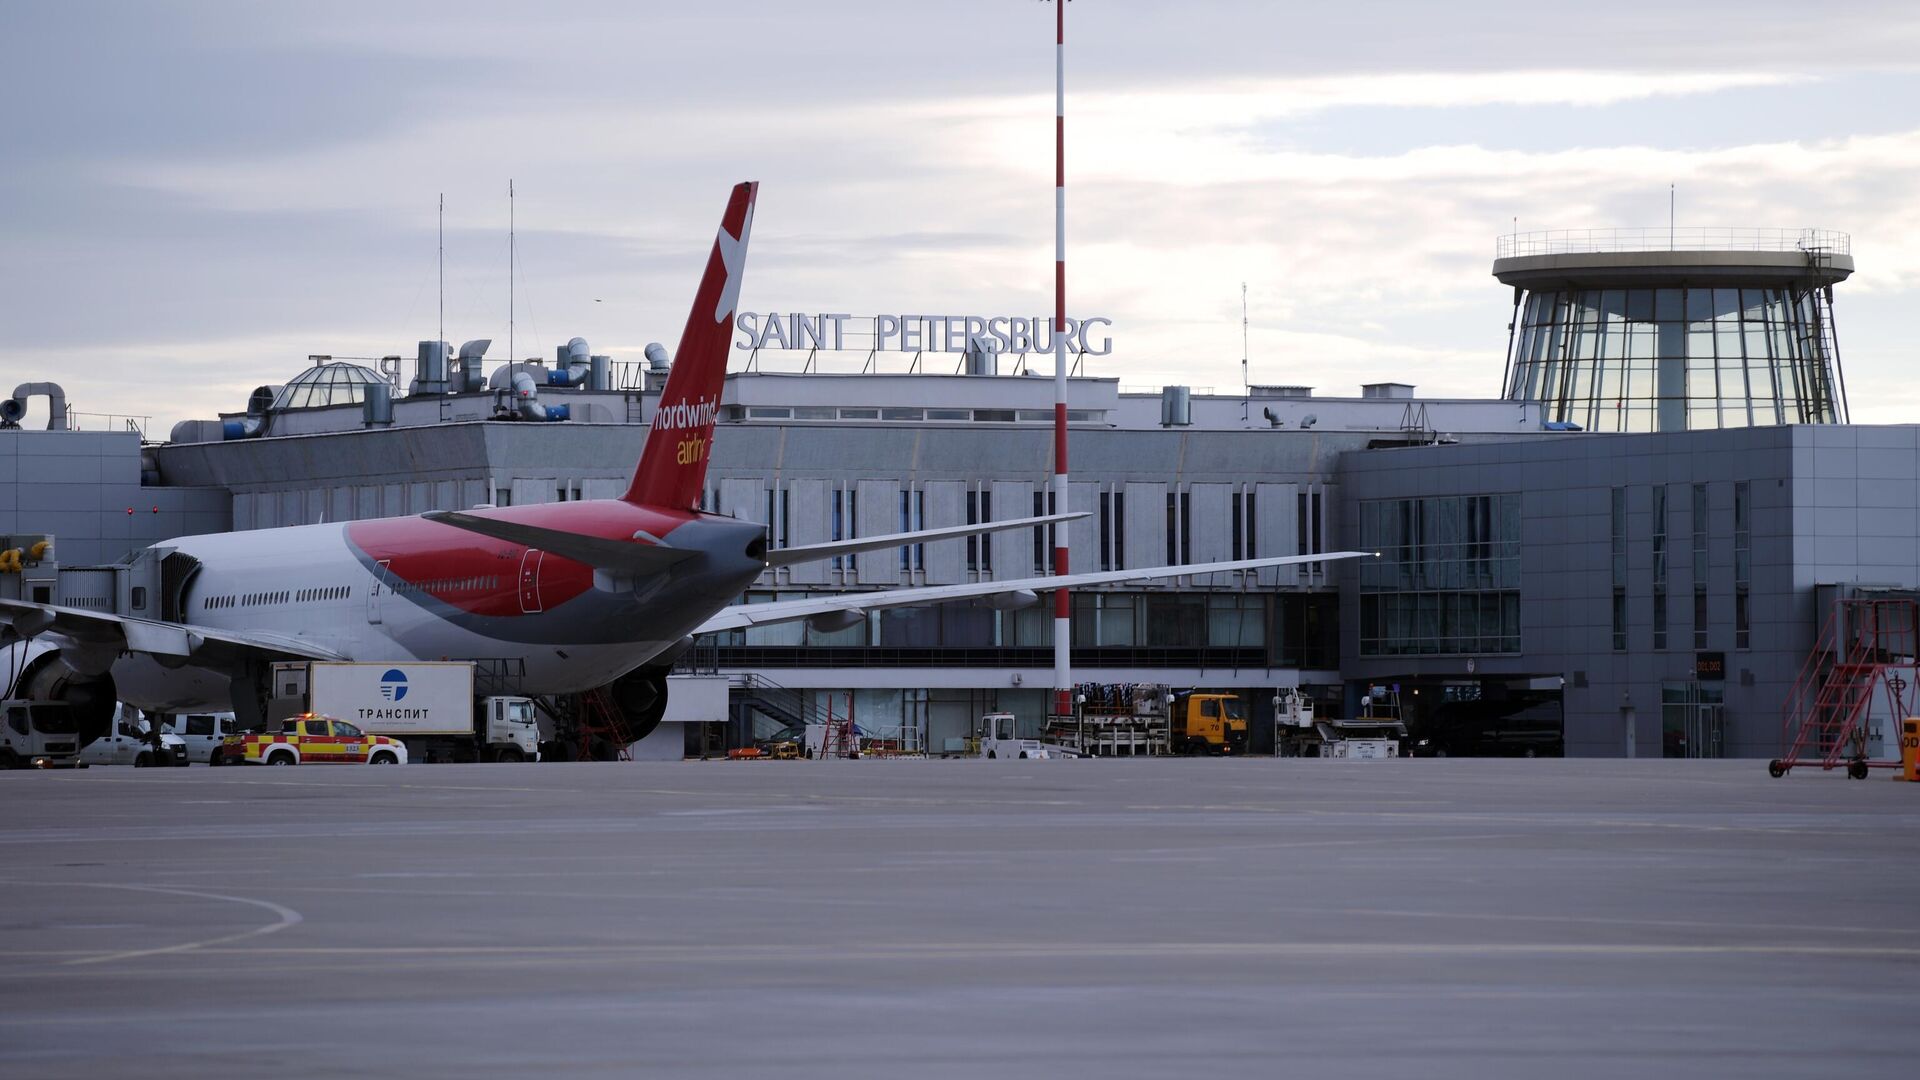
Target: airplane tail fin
point(673, 466)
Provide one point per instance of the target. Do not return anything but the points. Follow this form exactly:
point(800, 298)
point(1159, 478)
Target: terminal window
point(1448, 577)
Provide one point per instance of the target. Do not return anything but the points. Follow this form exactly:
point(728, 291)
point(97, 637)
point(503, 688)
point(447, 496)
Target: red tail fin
point(673, 466)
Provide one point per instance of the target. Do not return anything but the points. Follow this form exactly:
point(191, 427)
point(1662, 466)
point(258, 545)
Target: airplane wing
point(151, 635)
point(814, 552)
point(622, 556)
point(744, 615)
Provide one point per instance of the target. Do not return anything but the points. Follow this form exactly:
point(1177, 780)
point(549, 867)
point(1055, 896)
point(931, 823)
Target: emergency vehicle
point(315, 740)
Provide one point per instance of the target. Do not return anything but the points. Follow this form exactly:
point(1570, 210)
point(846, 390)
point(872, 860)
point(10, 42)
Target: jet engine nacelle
point(39, 670)
point(641, 697)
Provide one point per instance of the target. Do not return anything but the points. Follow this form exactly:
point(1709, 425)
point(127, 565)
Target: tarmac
point(1146, 918)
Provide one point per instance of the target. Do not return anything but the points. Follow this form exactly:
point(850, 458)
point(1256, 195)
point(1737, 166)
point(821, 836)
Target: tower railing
point(1661, 238)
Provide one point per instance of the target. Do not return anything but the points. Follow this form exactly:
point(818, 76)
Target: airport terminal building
point(1635, 544)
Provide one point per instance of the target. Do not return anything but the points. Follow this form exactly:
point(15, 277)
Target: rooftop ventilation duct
point(473, 375)
point(430, 372)
point(1260, 391)
point(600, 373)
point(573, 364)
point(1386, 390)
point(259, 406)
point(981, 357)
point(657, 366)
point(1176, 406)
point(378, 405)
point(14, 408)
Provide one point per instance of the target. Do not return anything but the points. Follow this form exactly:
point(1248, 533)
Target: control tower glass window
point(1670, 359)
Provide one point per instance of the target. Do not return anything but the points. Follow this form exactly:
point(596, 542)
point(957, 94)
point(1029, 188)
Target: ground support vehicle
point(997, 736)
point(314, 740)
point(1206, 723)
point(1376, 734)
point(430, 706)
point(131, 740)
point(1115, 720)
point(39, 735)
point(202, 732)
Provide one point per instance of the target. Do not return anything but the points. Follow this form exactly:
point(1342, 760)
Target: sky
point(196, 196)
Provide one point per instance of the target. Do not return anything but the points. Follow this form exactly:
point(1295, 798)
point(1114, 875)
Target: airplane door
point(373, 593)
point(530, 580)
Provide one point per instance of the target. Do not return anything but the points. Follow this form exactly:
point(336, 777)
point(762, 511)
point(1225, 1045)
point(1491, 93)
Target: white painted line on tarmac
point(285, 917)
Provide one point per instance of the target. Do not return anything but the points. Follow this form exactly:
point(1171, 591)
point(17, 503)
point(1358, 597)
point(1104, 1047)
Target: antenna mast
point(1246, 379)
point(510, 263)
point(443, 268)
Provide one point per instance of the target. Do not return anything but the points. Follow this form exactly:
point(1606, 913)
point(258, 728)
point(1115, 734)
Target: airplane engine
point(641, 696)
point(38, 671)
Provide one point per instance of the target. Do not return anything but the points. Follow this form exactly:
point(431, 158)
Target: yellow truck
point(1206, 723)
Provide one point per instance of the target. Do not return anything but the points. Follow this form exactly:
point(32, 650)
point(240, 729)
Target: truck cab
point(1209, 724)
point(38, 735)
point(510, 731)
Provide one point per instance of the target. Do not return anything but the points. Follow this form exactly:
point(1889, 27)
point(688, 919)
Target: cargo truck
point(429, 705)
point(38, 735)
point(1209, 724)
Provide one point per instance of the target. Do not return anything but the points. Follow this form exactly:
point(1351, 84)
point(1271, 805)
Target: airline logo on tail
point(673, 467)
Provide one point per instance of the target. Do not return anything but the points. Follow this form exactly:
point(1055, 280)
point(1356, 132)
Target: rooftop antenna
point(510, 263)
point(1670, 204)
point(443, 269)
point(1246, 380)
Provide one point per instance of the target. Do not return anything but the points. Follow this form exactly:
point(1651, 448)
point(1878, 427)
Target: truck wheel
point(383, 757)
point(213, 759)
point(281, 758)
point(991, 754)
point(142, 760)
point(511, 753)
point(11, 760)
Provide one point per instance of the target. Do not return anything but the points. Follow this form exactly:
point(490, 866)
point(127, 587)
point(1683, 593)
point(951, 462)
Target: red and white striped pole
point(1062, 600)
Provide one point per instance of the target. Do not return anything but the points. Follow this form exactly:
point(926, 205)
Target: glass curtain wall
point(1448, 576)
point(1674, 359)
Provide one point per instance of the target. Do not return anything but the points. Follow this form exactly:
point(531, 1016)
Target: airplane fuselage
point(411, 589)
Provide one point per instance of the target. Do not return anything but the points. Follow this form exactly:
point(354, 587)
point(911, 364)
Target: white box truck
point(429, 705)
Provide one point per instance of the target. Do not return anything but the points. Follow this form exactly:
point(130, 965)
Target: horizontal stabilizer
point(620, 556)
point(815, 552)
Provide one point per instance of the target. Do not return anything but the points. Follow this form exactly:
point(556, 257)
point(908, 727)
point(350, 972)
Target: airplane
point(575, 595)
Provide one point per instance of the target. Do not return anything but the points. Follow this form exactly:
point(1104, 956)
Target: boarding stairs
point(1866, 647)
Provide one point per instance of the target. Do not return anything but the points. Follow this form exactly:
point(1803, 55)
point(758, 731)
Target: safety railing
point(1602, 241)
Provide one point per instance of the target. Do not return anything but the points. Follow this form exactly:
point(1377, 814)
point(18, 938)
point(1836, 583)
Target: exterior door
point(373, 593)
point(530, 580)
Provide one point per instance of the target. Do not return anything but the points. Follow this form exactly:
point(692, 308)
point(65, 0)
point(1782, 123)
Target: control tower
point(1669, 330)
